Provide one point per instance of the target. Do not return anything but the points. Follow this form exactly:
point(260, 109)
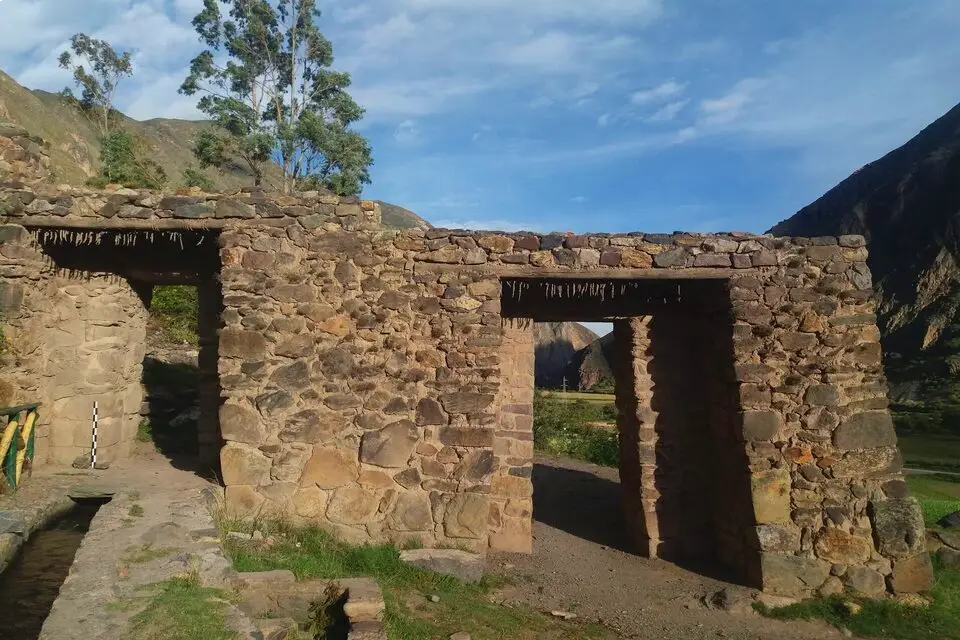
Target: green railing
point(17, 442)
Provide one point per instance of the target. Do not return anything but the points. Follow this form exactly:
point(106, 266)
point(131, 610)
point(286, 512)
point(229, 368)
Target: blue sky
point(609, 115)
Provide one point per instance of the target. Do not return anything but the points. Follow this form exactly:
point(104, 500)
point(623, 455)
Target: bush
point(562, 428)
point(173, 309)
point(195, 177)
point(123, 161)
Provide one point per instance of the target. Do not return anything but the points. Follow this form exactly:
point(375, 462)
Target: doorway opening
point(140, 311)
point(684, 490)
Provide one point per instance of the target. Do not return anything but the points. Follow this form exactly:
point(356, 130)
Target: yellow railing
point(17, 443)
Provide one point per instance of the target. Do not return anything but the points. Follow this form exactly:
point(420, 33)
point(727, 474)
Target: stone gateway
point(380, 383)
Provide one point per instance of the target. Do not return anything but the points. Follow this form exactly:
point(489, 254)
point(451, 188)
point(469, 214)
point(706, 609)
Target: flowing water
point(32, 581)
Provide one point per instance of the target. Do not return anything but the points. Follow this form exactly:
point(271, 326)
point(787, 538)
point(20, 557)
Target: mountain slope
point(593, 362)
point(397, 217)
point(75, 153)
point(907, 204)
point(556, 345)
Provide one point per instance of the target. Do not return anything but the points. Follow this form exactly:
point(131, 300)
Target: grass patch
point(930, 452)
point(146, 553)
point(570, 429)
point(887, 618)
point(939, 495)
point(144, 431)
point(587, 396)
point(173, 312)
point(314, 553)
point(136, 511)
point(182, 609)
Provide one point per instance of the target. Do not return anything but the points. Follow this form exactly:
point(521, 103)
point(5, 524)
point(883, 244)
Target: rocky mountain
point(74, 150)
point(556, 346)
point(907, 204)
point(592, 363)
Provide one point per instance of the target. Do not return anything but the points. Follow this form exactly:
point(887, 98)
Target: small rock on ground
point(460, 635)
point(563, 615)
point(950, 520)
point(731, 601)
point(949, 557)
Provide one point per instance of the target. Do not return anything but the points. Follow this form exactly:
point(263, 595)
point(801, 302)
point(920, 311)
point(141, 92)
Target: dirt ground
point(582, 564)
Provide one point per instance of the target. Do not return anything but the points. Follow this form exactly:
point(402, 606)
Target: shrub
point(195, 177)
point(562, 428)
point(174, 310)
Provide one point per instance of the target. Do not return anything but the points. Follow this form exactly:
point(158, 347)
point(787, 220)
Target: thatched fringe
point(597, 290)
point(121, 238)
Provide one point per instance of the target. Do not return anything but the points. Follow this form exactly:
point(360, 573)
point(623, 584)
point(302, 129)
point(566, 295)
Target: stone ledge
point(463, 565)
point(27, 521)
point(278, 593)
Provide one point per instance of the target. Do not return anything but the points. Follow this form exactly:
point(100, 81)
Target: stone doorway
point(685, 489)
point(102, 291)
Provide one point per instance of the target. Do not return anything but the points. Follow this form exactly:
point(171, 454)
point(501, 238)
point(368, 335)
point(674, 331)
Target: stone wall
point(360, 359)
point(94, 352)
point(75, 338)
point(378, 383)
point(511, 497)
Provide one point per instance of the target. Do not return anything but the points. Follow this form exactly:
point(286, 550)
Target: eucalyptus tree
point(266, 81)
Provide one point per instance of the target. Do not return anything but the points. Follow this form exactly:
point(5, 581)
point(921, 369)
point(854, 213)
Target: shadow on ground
point(580, 503)
point(587, 505)
point(172, 394)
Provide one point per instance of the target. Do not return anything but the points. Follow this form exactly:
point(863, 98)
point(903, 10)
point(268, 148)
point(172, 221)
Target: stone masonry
point(379, 383)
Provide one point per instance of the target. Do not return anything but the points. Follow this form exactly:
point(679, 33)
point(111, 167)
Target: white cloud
point(563, 52)
point(604, 119)
point(579, 199)
point(668, 112)
point(836, 93)
point(398, 99)
point(703, 49)
point(406, 132)
point(666, 91)
point(603, 11)
point(729, 106)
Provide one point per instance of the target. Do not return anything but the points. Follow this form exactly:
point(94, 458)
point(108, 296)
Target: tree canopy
point(97, 70)
point(266, 80)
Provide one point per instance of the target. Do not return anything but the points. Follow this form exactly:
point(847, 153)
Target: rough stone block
point(12, 522)
point(329, 468)
point(391, 446)
point(364, 599)
point(241, 424)
point(869, 463)
point(467, 437)
point(865, 581)
point(463, 565)
point(771, 496)
point(761, 426)
point(466, 516)
point(778, 537)
point(867, 430)
point(912, 574)
point(353, 505)
point(898, 527)
point(242, 464)
point(464, 402)
point(840, 547)
point(412, 512)
point(792, 575)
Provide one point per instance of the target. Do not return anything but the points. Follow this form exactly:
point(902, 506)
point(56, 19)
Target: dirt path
point(581, 564)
